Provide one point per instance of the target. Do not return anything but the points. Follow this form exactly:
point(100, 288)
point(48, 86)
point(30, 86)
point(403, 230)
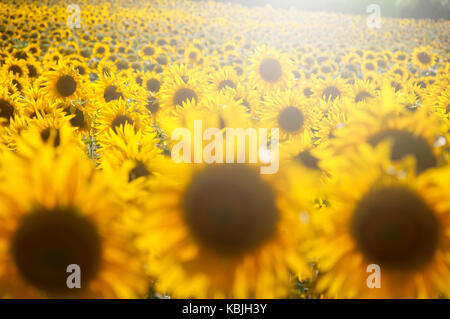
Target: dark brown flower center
point(121, 120)
point(152, 105)
point(405, 143)
point(307, 159)
point(395, 228)
point(6, 110)
point(290, 119)
point(270, 70)
point(53, 134)
point(230, 209)
point(183, 95)
point(140, 170)
point(226, 83)
point(80, 69)
point(308, 92)
point(78, 119)
point(15, 69)
point(47, 241)
point(326, 69)
point(362, 96)
point(193, 55)
point(424, 57)
point(153, 85)
point(370, 66)
point(149, 51)
point(66, 85)
point(331, 92)
point(32, 71)
point(112, 93)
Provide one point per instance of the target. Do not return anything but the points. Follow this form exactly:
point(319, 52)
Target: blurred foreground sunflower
point(58, 211)
point(225, 231)
point(381, 213)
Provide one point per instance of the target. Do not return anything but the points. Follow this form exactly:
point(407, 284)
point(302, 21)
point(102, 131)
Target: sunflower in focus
point(423, 57)
point(117, 114)
point(270, 69)
point(63, 83)
point(293, 115)
point(178, 91)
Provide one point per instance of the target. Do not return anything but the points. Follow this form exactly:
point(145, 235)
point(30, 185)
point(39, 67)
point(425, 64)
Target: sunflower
point(9, 105)
point(398, 72)
point(52, 130)
point(33, 49)
point(306, 89)
point(177, 92)
point(230, 49)
point(411, 134)
point(33, 69)
point(106, 68)
point(401, 57)
point(328, 68)
point(270, 70)
point(382, 214)
point(239, 236)
point(225, 110)
point(443, 103)
point(39, 106)
point(149, 51)
point(184, 116)
point(15, 67)
point(224, 78)
point(363, 91)
point(63, 83)
point(293, 115)
point(81, 115)
point(82, 68)
point(372, 77)
point(192, 54)
point(249, 97)
point(134, 152)
point(111, 88)
point(16, 84)
point(369, 65)
point(152, 106)
point(52, 58)
point(116, 115)
point(335, 118)
point(179, 70)
point(423, 57)
point(100, 50)
point(151, 81)
point(11, 133)
point(331, 89)
point(58, 211)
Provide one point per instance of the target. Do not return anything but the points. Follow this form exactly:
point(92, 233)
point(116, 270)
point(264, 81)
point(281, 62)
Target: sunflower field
point(91, 93)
